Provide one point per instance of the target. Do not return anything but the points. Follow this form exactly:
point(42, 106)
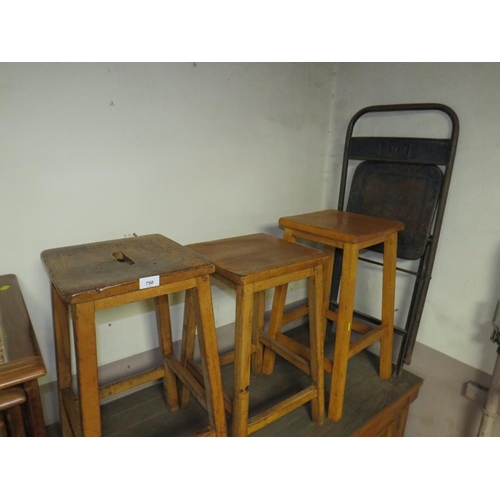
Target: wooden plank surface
point(107, 268)
point(20, 355)
point(256, 257)
point(145, 413)
point(342, 226)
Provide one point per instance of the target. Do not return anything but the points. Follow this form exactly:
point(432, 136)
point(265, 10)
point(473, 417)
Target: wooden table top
point(250, 258)
point(342, 226)
point(20, 358)
point(97, 270)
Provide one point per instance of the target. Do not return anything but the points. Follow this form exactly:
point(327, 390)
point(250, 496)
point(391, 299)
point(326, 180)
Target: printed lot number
point(149, 282)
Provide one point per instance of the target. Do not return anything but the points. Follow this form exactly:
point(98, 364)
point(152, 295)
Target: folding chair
point(405, 179)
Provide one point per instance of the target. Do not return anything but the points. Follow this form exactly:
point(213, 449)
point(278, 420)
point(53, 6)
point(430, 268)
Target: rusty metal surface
point(405, 192)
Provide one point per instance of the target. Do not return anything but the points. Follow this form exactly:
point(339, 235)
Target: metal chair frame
point(402, 151)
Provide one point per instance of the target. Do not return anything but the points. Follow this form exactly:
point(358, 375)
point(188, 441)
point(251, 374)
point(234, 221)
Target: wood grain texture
point(15, 422)
point(62, 342)
point(368, 406)
point(350, 232)
point(22, 359)
point(252, 258)
point(11, 397)
point(207, 338)
point(342, 226)
point(106, 274)
point(388, 300)
point(167, 348)
point(87, 375)
point(242, 359)
point(316, 337)
point(343, 332)
point(3, 426)
point(22, 364)
point(250, 265)
point(90, 271)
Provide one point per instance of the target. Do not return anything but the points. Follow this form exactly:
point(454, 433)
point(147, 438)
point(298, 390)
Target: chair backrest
point(405, 179)
point(407, 192)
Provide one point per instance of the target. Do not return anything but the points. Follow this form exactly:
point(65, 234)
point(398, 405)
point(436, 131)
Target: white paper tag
point(149, 282)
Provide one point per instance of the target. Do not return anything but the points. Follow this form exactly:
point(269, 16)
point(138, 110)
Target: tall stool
point(350, 232)
point(11, 415)
point(250, 265)
point(107, 274)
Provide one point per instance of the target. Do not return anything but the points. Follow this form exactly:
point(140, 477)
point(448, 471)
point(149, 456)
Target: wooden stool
point(11, 415)
point(21, 364)
point(250, 265)
point(112, 273)
point(351, 232)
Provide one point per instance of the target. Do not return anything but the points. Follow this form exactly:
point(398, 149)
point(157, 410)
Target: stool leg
point(277, 311)
point(328, 275)
point(275, 322)
point(343, 335)
point(60, 319)
point(15, 421)
point(258, 331)
point(207, 339)
point(388, 294)
point(187, 343)
point(242, 355)
point(86, 361)
point(316, 333)
point(165, 338)
point(34, 408)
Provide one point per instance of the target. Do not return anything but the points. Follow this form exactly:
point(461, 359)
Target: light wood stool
point(11, 415)
point(107, 274)
point(350, 232)
point(250, 265)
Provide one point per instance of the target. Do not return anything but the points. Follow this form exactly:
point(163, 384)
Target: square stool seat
point(251, 264)
point(350, 232)
point(101, 275)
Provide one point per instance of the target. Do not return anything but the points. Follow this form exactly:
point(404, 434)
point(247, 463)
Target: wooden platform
point(372, 406)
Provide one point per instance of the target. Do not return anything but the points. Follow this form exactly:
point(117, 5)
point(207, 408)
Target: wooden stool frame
point(354, 233)
point(391, 154)
point(247, 356)
point(177, 269)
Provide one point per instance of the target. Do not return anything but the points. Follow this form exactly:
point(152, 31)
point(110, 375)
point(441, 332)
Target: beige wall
point(99, 151)
point(92, 152)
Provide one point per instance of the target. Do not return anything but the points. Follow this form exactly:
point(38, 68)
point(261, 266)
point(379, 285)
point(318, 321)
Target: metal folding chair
point(405, 179)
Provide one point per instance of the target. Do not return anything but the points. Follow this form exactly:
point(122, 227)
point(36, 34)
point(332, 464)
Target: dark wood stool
point(11, 415)
point(107, 274)
point(350, 232)
point(250, 265)
point(21, 364)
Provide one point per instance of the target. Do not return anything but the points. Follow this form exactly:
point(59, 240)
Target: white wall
point(91, 152)
point(466, 276)
point(97, 151)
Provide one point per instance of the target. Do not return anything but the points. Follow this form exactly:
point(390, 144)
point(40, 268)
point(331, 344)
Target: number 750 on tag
point(149, 282)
